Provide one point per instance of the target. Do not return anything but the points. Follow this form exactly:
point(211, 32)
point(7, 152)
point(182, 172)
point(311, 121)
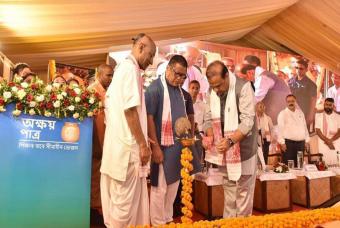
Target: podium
point(45, 172)
point(273, 192)
point(311, 189)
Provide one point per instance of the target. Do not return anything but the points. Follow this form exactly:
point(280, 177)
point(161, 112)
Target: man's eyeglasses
point(179, 75)
point(299, 68)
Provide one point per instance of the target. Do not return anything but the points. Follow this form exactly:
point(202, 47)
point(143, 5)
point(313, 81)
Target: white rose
point(48, 114)
point(40, 98)
point(17, 78)
point(90, 114)
point(48, 88)
point(40, 82)
point(56, 104)
point(77, 99)
point(77, 90)
point(64, 94)
point(14, 89)
point(56, 85)
point(21, 94)
point(16, 112)
point(24, 85)
point(7, 95)
point(32, 104)
point(2, 109)
point(279, 169)
point(60, 97)
point(31, 112)
point(71, 108)
point(91, 101)
point(76, 115)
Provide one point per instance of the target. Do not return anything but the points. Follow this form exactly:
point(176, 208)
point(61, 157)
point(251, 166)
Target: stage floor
point(197, 216)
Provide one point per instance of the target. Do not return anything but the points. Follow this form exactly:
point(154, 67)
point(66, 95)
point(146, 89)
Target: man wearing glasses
point(305, 91)
point(165, 103)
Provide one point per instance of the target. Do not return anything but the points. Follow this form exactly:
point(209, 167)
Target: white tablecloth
point(335, 170)
point(212, 178)
point(313, 174)
point(270, 176)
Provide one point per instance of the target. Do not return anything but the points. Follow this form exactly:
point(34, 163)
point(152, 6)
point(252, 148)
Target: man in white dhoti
point(232, 107)
point(327, 125)
point(126, 152)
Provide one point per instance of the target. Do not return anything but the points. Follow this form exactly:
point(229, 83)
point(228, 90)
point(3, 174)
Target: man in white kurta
point(327, 125)
point(126, 152)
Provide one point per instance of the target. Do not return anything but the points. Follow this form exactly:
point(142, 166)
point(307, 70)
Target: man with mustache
point(327, 125)
point(293, 135)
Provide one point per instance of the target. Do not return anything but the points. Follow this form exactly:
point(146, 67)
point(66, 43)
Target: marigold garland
point(301, 219)
point(186, 158)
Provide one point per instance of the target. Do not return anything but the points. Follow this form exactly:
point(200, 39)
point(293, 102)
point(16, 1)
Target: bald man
point(229, 63)
point(126, 152)
point(191, 55)
point(102, 82)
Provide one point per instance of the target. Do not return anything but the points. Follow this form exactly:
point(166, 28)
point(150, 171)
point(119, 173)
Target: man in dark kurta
point(165, 167)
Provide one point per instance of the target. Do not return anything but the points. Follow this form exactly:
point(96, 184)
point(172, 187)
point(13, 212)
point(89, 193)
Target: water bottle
point(299, 160)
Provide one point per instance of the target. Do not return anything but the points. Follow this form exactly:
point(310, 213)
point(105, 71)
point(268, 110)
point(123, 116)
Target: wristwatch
point(230, 142)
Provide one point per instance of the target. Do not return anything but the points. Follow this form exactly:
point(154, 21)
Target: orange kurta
point(97, 147)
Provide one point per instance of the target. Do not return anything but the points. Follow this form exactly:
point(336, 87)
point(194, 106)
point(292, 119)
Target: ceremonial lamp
point(183, 132)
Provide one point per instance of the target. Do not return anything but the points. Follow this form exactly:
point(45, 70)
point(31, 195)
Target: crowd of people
point(237, 112)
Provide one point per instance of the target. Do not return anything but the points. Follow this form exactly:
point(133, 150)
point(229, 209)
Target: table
point(273, 192)
point(208, 194)
point(311, 189)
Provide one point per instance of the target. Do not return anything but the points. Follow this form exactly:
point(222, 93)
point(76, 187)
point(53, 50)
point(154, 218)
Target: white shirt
point(124, 92)
point(265, 124)
point(334, 93)
point(292, 125)
point(195, 74)
point(333, 123)
point(262, 84)
point(201, 110)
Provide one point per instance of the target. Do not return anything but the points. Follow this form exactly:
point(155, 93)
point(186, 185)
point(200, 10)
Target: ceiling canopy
point(83, 32)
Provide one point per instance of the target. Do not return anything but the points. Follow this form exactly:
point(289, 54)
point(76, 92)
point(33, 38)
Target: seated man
point(327, 125)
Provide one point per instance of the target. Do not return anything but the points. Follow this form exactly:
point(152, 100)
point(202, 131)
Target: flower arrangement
point(51, 100)
point(307, 218)
point(281, 168)
point(186, 158)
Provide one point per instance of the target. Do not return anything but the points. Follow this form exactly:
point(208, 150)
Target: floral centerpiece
point(280, 168)
point(49, 100)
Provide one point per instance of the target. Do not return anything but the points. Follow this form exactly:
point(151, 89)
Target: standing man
point(293, 135)
point(232, 110)
point(269, 88)
point(102, 82)
point(165, 103)
point(123, 182)
point(229, 63)
point(334, 91)
point(327, 125)
point(265, 127)
point(304, 90)
point(201, 109)
point(191, 55)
